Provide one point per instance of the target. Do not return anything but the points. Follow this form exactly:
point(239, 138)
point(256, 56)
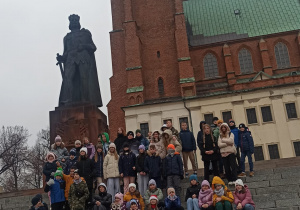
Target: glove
point(52, 174)
point(50, 182)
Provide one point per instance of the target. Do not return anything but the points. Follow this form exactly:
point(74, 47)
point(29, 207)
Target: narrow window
point(158, 54)
point(208, 118)
point(291, 110)
point(282, 56)
point(297, 148)
point(184, 119)
point(266, 114)
point(273, 151)
point(165, 121)
point(160, 85)
point(210, 66)
point(227, 116)
point(144, 129)
point(258, 153)
point(245, 60)
point(251, 116)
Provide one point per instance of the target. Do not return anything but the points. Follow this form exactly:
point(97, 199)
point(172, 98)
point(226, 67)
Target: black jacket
point(190, 191)
point(119, 141)
point(173, 165)
point(45, 207)
point(209, 144)
point(153, 166)
point(140, 162)
point(77, 149)
point(188, 140)
point(104, 198)
point(126, 162)
point(133, 145)
point(98, 166)
point(69, 164)
point(86, 167)
point(48, 169)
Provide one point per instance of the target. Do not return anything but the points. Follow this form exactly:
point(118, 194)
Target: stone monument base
point(76, 121)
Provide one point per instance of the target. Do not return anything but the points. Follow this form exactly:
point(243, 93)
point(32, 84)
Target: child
point(50, 167)
point(153, 190)
point(98, 163)
point(78, 193)
point(77, 147)
point(57, 189)
point(118, 202)
point(228, 151)
point(104, 199)
point(208, 146)
point(222, 197)
point(191, 196)
point(172, 201)
point(188, 148)
point(90, 147)
point(142, 177)
point(242, 196)
point(111, 170)
point(159, 145)
point(61, 152)
point(143, 140)
point(168, 138)
point(206, 196)
point(153, 203)
point(133, 205)
point(38, 204)
point(127, 166)
point(71, 162)
point(133, 193)
point(104, 140)
point(247, 149)
point(173, 168)
point(153, 165)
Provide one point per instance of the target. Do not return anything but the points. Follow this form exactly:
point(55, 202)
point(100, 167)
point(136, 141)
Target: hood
point(205, 182)
point(226, 125)
point(52, 154)
point(217, 180)
point(106, 136)
point(169, 132)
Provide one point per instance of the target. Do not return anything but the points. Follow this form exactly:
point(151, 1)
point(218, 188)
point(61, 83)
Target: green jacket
point(216, 133)
point(77, 195)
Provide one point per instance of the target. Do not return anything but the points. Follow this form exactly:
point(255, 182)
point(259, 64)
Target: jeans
point(142, 181)
point(113, 185)
point(248, 207)
point(206, 169)
point(192, 204)
point(243, 157)
point(174, 181)
point(230, 167)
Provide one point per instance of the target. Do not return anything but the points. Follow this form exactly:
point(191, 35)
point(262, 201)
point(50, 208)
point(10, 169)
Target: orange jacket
point(128, 197)
point(69, 181)
point(228, 196)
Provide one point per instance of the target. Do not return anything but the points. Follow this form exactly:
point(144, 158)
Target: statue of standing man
point(79, 71)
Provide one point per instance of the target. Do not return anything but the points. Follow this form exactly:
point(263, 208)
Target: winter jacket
point(119, 141)
point(243, 198)
point(77, 149)
point(69, 181)
point(104, 198)
point(153, 166)
point(126, 164)
point(216, 132)
point(86, 167)
point(235, 132)
point(140, 162)
point(246, 142)
point(133, 145)
point(192, 190)
point(48, 169)
point(188, 140)
point(209, 144)
point(61, 152)
point(227, 193)
point(90, 150)
point(69, 164)
point(160, 148)
point(205, 197)
point(98, 166)
point(45, 207)
point(128, 196)
point(173, 165)
point(111, 166)
point(78, 194)
point(170, 140)
point(226, 144)
point(106, 143)
point(143, 140)
point(156, 192)
point(170, 205)
point(57, 191)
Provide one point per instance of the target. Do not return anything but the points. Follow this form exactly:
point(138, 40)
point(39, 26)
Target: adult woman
point(120, 139)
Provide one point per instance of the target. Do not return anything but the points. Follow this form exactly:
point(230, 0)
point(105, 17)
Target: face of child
point(204, 187)
point(99, 150)
point(72, 172)
point(206, 130)
point(102, 189)
point(131, 189)
point(171, 193)
point(152, 150)
point(104, 138)
point(193, 182)
point(153, 202)
point(215, 122)
point(219, 124)
point(120, 131)
point(117, 200)
point(76, 176)
point(155, 135)
point(141, 150)
point(112, 149)
point(72, 157)
point(239, 187)
point(183, 126)
point(133, 206)
point(223, 128)
point(138, 134)
point(126, 148)
point(149, 133)
point(50, 158)
point(58, 143)
point(242, 129)
point(218, 187)
point(86, 141)
point(77, 145)
point(152, 186)
point(130, 137)
point(58, 177)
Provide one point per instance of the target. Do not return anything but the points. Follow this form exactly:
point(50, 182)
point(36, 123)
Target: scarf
point(77, 181)
point(153, 206)
point(220, 192)
point(205, 193)
point(172, 198)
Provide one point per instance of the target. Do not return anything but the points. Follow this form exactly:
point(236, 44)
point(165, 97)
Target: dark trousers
point(209, 208)
point(221, 170)
point(57, 206)
point(157, 180)
point(67, 207)
point(206, 169)
point(174, 181)
point(238, 160)
point(230, 167)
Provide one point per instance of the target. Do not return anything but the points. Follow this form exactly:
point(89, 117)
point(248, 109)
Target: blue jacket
point(235, 132)
point(98, 166)
point(126, 162)
point(188, 140)
point(170, 205)
point(173, 165)
point(152, 166)
point(57, 191)
point(246, 142)
point(69, 164)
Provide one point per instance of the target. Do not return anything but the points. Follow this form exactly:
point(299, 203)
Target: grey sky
point(32, 33)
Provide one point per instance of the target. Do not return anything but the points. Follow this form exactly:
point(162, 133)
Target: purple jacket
point(90, 150)
point(205, 197)
point(243, 198)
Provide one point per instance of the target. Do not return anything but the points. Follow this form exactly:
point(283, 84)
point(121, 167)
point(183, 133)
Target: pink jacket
point(205, 197)
point(243, 198)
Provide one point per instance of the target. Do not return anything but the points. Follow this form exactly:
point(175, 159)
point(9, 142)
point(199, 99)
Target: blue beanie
point(193, 177)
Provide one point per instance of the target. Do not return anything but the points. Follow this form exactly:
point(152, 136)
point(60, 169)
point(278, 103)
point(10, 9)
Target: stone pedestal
point(76, 121)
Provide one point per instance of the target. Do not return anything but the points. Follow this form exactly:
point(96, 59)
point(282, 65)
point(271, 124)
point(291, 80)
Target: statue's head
point(74, 22)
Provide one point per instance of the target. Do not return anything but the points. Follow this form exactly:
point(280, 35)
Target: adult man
point(143, 140)
point(174, 131)
point(80, 79)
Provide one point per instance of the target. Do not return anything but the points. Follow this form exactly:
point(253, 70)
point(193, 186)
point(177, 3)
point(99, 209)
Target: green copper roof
point(232, 19)
point(135, 89)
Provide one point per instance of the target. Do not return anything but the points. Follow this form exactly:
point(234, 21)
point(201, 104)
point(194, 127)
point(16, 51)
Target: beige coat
point(171, 140)
point(160, 148)
point(110, 166)
point(226, 144)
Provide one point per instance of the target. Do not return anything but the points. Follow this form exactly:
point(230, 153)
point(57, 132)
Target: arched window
point(210, 66)
point(160, 85)
point(245, 60)
point(131, 100)
point(138, 99)
point(282, 55)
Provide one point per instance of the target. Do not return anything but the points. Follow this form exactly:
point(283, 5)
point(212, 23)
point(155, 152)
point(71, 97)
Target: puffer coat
point(111, 166)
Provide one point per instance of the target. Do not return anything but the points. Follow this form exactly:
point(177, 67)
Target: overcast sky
point(32, 33)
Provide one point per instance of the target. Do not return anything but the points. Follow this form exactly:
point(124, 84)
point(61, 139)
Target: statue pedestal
point(75, 121)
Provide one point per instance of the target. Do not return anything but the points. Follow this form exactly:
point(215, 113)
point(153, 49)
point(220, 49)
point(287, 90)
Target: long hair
point(62, 145)
point(123, 131)
point(224, 134)
point(115, 154)
point(79, 158)
point(97, 156)
point(212, 137)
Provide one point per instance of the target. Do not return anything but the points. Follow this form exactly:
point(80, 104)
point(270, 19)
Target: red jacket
point(243, 198)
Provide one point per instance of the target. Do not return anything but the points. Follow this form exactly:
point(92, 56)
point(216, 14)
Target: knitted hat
point(193, 177)
point(77, 142)
point(171, 189)
point(35, 200)
point(132, 185)
point(152, 181)
point(130, 133)
point(84, 149)
point(133, 201)
point(219, 121)
point(171, 146)
point(142, 147)
point(242, 125)
point(73, 152)
point(125, 145)
point(215, 118)
point(231, 120)
point(120, 196)
point(205, 182)
point(99, 146)
point(138, 131)
point(59, 172)
point(112, 145)
point(102, 184)
point(239, 182)
point(57, 138)
point(153, 197)
point(76, 171)
point(164, 126)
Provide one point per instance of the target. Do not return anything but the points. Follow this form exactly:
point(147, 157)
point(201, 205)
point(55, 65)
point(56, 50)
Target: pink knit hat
point(120, 196)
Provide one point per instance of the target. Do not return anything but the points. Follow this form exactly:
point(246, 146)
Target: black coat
point(173, 165)
point(188, 140)
point(133, 145)
point(48, 169)
point(210, 144)
point(153, 166)
point(126, 162)
point(77, 149)
point(69, 164)
point(140, 162)
point(119, 141)
point(190, 191)
point(98, 166)
point(86, 169)
point(104, 198)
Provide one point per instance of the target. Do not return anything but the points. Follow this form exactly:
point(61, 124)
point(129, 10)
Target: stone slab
point(275, 196)
point(278, 189)
point(259, 184)
point(287, 169)
point(288, 202)
point(263, 205)
point(284, 182)
point(263, 177)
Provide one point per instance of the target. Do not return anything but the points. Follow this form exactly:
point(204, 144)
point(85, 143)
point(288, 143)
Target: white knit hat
point(84, 149)
point(239, 182)
point(112, 145)
point(132, 185)
point(77, 142)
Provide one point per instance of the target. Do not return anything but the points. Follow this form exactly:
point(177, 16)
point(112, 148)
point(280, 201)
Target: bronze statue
point(79, 71)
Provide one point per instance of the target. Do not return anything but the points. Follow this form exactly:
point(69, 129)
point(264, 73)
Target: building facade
point(192, 60)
